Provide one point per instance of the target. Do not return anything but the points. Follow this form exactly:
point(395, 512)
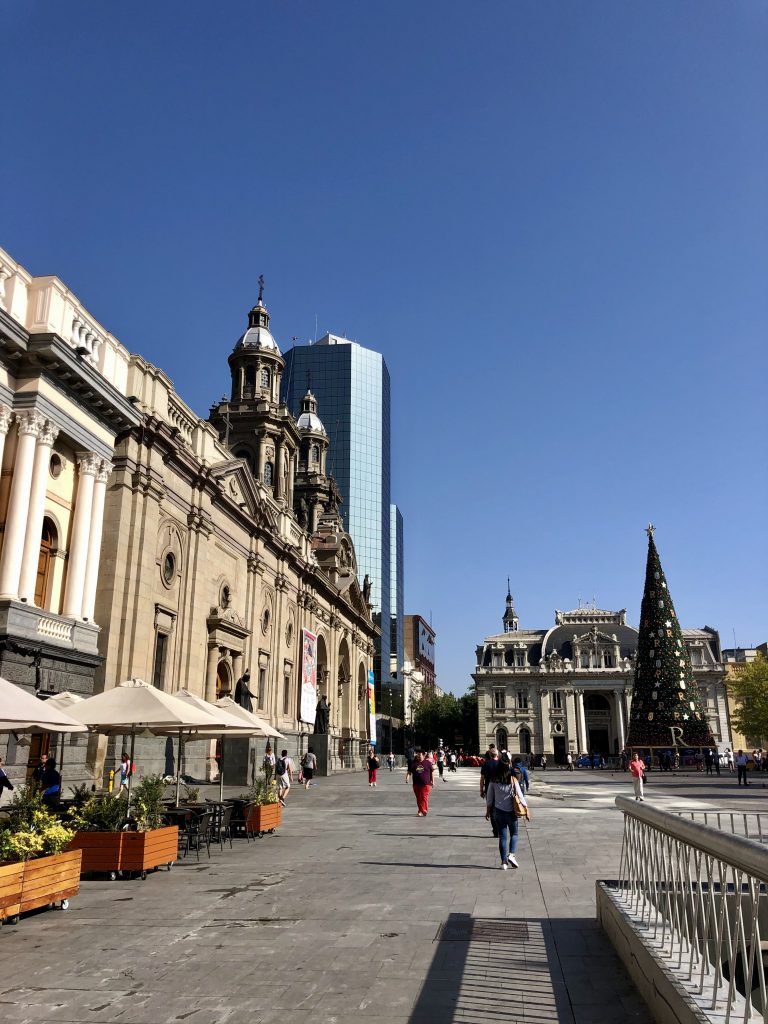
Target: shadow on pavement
point(532, 970)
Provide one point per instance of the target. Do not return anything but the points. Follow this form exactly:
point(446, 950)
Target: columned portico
point(88, 466)
point(6, 418)
point(618, 697)
point(94, 540)
point(29, 425)
point(29, 562)
point(581, 723)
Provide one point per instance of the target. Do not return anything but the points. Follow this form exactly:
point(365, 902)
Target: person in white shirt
point(284, 773)
point(741, 768)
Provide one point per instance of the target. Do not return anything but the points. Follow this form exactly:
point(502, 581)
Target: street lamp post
point(389, 708)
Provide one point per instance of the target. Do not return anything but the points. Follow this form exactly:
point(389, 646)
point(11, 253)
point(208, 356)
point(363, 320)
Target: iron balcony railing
point(697, 896)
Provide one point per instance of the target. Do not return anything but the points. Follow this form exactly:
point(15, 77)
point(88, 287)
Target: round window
point(55, 466)
point(169, 568)
point(265, 619)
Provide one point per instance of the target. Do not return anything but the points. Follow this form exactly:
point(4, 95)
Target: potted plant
point(113, 839)
point(35, 870)
point(264, 811)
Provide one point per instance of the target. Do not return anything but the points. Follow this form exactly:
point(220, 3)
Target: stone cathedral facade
point(568, 688)
point(140, 539)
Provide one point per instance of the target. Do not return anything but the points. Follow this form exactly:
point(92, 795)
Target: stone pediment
point(594, 637)
point(238, 486)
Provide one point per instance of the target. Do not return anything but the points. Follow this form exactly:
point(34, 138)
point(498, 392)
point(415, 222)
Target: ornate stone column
point(237, 666)
point(29, 426)
point(581, 722)
point(543, 720)
point(210, 672)
point(31, 557)
point(619, 700)
point(6, 417)
point(94, 540)
point(88, 465)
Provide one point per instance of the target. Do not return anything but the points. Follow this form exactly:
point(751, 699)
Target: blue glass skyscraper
point(351, 385)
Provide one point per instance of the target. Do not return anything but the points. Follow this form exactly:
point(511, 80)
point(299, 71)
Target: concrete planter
point(110, 852)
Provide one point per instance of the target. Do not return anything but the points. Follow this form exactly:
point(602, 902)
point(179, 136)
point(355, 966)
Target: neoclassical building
point(569, 688)
point(62, 404)
point(141, 540)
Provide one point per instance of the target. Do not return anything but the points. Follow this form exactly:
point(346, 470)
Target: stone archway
point(524, 738)
point(322, 668)
point(598, 724)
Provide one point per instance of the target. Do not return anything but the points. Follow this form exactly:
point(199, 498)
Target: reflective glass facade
point(351, 384)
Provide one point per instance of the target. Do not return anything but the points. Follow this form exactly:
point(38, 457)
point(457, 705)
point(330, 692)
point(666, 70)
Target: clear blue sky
point(551, 218)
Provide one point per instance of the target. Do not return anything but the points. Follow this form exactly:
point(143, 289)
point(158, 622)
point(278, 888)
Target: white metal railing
point(697, 897)
point(750, 824)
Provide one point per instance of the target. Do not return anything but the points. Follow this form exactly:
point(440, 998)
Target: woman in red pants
point(422, 781)
point(373, 766)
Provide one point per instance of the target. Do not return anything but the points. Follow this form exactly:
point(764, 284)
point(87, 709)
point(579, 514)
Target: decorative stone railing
point(55, 629)
point(181, 418)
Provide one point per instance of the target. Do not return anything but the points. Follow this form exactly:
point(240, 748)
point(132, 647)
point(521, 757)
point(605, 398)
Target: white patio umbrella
point(230, 725)
point(135, 706)
point(21, 712)
point(63, 701)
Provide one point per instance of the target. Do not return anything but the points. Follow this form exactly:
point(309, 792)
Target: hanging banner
point(308, 704)
point(371, 711)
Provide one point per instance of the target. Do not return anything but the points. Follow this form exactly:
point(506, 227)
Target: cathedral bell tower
point(510, 620)
point(253, 422)
point(311, 490)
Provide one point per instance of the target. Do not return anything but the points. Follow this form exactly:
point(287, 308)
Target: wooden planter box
point(50, 879)
point(11, 876)
point(265, 818)
point(142, 851)
point(110, 852)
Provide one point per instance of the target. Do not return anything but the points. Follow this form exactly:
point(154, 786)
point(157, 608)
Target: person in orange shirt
point(637, 771)
point(422, 781)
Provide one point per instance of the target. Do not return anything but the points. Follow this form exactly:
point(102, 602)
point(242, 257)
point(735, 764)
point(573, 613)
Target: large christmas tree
point(666, 707)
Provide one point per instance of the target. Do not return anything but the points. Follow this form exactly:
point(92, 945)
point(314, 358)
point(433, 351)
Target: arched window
point(269, 471)
point(502, 739)
point(286, 694)
point(250, 376)
point(266, 377)
point(48, 544)
point(314, 453)
point(525, 741)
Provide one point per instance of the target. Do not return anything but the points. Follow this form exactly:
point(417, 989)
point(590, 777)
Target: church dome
point(258, 334)
point(308, 419)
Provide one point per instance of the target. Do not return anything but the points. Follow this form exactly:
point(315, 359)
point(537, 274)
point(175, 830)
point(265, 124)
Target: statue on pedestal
point(243, 695)
point(322, 713)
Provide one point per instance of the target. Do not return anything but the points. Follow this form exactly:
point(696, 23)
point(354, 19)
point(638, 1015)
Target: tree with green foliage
point(446, 717)
point(749, 688)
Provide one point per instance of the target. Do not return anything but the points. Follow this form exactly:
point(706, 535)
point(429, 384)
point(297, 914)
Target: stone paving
point(356, 908)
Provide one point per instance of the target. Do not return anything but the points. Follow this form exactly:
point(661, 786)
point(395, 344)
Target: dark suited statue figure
point(243, 695)
point(321, 715)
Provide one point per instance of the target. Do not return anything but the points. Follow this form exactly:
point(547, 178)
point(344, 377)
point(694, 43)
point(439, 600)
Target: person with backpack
point(373, 767)
point(308, 765)
point(284, 774)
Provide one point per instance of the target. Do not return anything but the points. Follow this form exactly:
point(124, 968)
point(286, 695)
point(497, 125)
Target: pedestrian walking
point(505, 802)
point(268, 764)
point(373, 767)
point(569, 761)
point(422, 781)
point(441, 762)
point(125, 770)
point(391, 761)
point(525, 781)
point(308, 766)
point(409, 758)
point(741, 768)
point(284, 775)
point(730, 760)
point(637, 771)
point(708, 761)
point(490, 771)
point(543, 762)
point(452, 759)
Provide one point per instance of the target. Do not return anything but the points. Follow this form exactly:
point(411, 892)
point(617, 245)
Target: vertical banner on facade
point(308, 706)
point(371, 710)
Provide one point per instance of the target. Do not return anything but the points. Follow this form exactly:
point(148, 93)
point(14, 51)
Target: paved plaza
point(358, 909)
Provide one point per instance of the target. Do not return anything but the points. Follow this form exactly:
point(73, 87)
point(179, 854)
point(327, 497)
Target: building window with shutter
point(522, 700)
point(499, 700)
